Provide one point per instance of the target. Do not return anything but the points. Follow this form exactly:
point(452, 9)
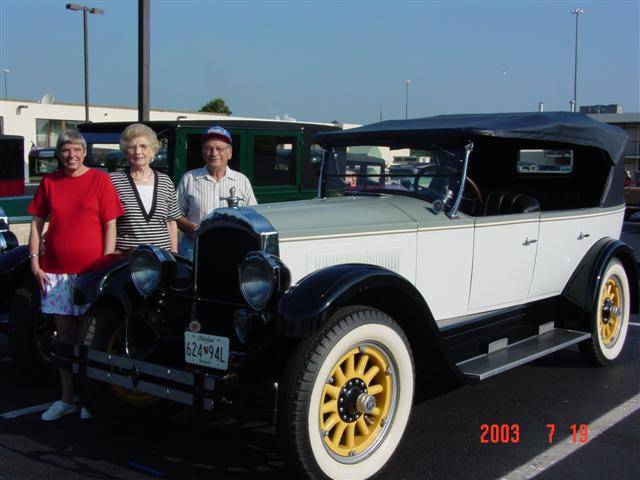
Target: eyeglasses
point(142, 147)
point(215, 149)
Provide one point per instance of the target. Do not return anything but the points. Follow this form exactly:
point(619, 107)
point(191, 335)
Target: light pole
point(406, 98)
point(576, 12)
point(85, 10)
point(5, 71)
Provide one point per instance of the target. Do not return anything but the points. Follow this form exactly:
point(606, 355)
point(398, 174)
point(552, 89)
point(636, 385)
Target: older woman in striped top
point(148, 196)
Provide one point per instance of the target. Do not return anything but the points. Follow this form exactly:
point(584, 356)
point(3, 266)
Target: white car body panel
point(443, 279)
point(394, 251)
point(504, 255)
point(565, 238)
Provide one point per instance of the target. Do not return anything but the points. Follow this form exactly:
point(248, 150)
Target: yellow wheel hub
point(356, 401)
point(130, 396)
point(609, 321)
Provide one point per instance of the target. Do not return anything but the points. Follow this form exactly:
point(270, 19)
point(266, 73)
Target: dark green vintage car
point(277, 156)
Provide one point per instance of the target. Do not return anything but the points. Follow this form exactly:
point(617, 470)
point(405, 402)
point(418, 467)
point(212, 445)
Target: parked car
point(322, 315)
point(11, 165)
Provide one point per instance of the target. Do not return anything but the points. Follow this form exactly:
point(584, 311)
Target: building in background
point(630, 123)
point(41, 123)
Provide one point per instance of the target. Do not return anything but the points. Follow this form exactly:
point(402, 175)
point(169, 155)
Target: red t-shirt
point(77, 208)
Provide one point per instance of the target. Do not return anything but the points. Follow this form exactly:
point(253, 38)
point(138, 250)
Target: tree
point(217, 105)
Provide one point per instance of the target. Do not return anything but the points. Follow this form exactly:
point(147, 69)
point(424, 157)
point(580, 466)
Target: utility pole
point(577, 12)
point(143, 59)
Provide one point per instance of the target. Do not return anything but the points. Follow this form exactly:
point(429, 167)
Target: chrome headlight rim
point(149, 259)
point(274, 276)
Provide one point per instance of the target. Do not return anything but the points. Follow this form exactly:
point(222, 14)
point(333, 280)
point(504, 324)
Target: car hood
point(340, 216)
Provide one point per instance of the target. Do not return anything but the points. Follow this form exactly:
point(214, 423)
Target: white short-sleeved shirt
point(199, 193)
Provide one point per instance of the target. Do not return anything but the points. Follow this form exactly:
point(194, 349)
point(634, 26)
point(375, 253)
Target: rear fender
point(580, 296)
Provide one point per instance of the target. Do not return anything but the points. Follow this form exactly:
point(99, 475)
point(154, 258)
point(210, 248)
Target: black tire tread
point(301, 370)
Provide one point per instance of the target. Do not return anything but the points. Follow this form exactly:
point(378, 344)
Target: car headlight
point(151, 268)
point(262, 275)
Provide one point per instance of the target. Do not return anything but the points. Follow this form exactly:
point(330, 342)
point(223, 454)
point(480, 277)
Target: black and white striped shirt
point(137, 226)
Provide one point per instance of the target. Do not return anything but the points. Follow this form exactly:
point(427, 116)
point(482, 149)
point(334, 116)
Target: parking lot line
point(26, 411)
point(634, 324)
point(565, 448)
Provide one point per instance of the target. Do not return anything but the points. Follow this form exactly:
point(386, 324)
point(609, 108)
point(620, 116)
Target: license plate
point(206, 350)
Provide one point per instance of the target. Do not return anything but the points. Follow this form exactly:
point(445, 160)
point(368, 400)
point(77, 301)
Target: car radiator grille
point(219, 251)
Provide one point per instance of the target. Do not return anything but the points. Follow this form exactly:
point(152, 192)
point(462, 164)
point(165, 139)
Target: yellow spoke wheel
point(611, 311)
point(357, 399)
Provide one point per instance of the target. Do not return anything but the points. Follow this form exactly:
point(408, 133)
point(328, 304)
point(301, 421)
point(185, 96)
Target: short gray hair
point(70, 136)
point(138, 130)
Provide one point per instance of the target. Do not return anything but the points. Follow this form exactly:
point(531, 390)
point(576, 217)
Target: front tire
point(30, 334)
point(347, 396)
point(102, 329)
point(611, 321)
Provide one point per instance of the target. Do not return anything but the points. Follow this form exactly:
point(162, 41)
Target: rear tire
point(346, 397)
point(611, 321)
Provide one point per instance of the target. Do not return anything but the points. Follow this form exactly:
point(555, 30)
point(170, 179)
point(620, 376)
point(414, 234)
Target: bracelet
point(33, 255)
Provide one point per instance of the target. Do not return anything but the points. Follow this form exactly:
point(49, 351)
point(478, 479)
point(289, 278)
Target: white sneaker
point(84, 414)
point(57, 410)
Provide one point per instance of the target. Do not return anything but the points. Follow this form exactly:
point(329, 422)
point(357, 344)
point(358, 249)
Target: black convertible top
point(565, 127)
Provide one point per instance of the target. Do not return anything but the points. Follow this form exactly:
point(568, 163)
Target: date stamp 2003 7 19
point(493, 433)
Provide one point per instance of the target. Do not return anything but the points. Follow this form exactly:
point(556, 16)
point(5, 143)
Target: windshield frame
point(457, 152)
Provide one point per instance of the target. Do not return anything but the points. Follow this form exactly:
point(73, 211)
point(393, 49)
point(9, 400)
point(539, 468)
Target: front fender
point(317, 296)
point(14, 266)
point(581, 291)
point(108, 277)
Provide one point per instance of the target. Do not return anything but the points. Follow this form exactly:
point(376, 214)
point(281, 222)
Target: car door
point(504, 255)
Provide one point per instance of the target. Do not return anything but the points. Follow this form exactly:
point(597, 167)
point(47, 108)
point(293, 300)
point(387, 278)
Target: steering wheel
point(427, 191)
point(476, 192)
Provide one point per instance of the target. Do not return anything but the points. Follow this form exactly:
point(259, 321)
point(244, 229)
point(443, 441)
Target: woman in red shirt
point(81, 206)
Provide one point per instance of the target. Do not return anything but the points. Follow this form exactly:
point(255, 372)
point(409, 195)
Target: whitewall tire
point(611, 321)
point(349, 395)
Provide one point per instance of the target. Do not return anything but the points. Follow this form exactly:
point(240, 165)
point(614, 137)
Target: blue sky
point(327, 60)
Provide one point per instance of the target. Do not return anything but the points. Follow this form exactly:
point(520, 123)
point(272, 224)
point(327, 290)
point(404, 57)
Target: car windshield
point(432, 172)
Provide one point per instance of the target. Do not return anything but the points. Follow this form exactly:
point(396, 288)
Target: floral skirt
point(58, 295)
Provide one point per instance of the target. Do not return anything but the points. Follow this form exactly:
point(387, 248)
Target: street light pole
point(576, 12)
point(406, 98)
point(5, 71)
point(85, 11)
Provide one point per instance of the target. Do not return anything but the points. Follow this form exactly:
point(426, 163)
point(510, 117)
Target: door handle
point(529, 241)
point(582, 235)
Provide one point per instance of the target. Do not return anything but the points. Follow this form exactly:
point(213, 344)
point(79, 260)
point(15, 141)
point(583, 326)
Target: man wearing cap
point(200, 190)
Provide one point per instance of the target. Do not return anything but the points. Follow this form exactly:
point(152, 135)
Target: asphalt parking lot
point(594, 414)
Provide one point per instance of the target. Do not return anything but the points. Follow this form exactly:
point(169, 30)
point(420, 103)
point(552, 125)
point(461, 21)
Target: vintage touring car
point(322, 315)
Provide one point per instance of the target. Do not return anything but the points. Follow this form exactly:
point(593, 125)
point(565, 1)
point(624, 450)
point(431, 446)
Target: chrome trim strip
point(508, 222)
point(452, 227)
point(589, 215)
point(347, 235)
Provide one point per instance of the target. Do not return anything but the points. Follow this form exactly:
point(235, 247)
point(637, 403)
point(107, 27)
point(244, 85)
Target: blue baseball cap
point(217, 132)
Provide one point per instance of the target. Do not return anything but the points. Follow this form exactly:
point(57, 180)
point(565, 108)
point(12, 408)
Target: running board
point(503, 357)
